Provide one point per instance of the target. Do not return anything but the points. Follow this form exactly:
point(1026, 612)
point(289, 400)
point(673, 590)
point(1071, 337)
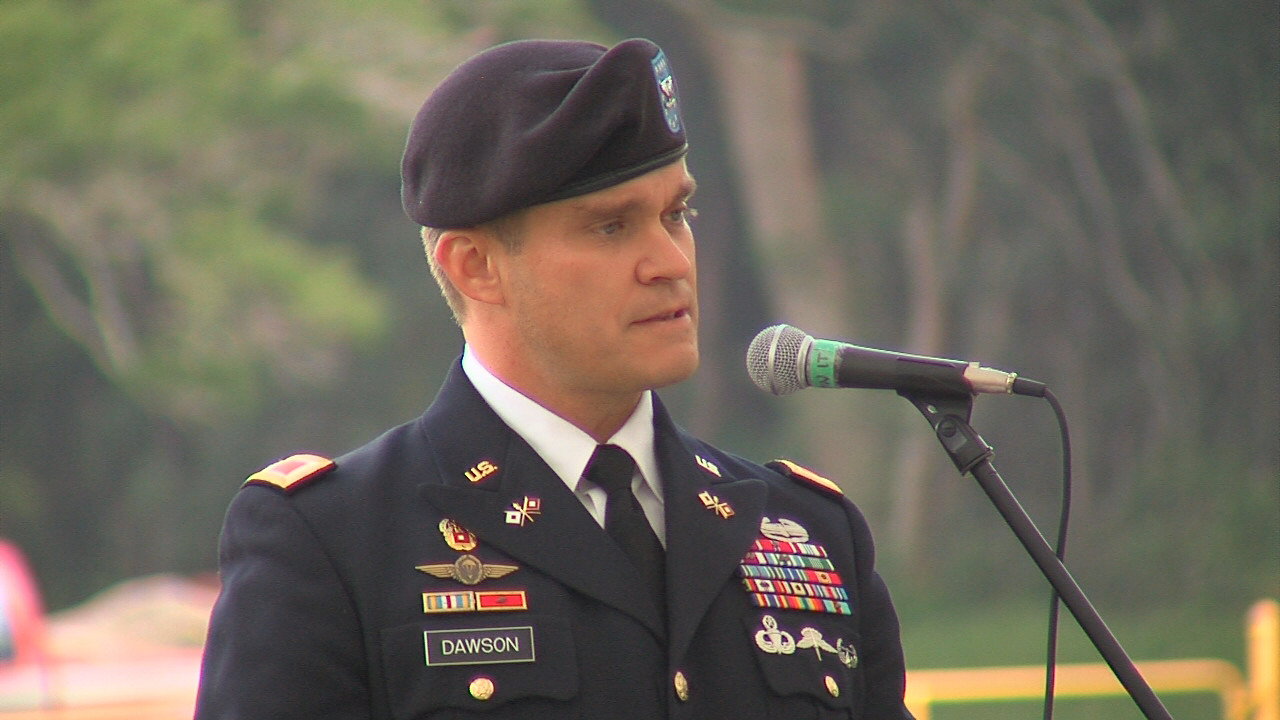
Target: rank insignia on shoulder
point(805, 476)
point(292, 472)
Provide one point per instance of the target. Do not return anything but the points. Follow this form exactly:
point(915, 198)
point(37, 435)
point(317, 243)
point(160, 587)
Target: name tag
point(480, 646)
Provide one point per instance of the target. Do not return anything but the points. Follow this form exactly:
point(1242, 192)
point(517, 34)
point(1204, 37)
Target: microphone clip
point(948, 414)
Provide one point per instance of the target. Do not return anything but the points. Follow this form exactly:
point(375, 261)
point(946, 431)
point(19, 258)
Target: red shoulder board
point(292, 472)
point(805, 476)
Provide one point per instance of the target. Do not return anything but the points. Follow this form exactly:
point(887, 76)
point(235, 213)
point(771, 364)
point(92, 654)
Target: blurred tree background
point(204, 265)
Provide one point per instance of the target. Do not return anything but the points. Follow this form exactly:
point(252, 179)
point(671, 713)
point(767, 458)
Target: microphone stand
point(948, 414)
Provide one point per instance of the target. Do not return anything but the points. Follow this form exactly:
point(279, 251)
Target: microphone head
point(774, 359)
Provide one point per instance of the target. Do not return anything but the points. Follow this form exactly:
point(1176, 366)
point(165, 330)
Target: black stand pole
point(949, 416)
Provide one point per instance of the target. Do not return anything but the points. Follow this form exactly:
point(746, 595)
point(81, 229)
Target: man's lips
point(666, 315)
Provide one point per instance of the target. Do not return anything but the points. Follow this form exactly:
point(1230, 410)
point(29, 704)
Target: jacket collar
point(490, 481)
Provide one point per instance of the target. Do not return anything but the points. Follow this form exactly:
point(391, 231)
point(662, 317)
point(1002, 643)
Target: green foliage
point(1098, 182)
point(93, 83)
point(247, 305)
point(514, 20)
point(144, 151)
point(160, 164)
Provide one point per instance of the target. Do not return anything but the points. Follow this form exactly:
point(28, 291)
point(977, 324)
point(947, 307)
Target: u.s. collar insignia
point(783, 530)
point(707, 465)
point(480, 471)
point(457, 537)
point(468, 570)
point(521, 512)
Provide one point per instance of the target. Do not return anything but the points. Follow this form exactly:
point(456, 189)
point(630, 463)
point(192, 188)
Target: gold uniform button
point(481, 688)
point(682, 686)
point(832, 686)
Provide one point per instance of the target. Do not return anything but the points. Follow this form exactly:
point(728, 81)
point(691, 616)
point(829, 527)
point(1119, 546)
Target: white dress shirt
point(566, 448)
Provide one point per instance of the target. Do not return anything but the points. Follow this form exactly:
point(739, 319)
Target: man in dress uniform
point(545, 542)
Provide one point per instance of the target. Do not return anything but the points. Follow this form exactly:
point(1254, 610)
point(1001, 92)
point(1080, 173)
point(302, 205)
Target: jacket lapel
point(704, 546)
point(518, 505)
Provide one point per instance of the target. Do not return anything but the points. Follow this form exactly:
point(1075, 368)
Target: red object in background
point(24, 678)
point(21, 610)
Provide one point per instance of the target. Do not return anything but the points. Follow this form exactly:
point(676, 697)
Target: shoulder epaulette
point(292, 472)
point(805, 476)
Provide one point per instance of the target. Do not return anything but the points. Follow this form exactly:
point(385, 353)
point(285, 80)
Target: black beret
point(533, 121)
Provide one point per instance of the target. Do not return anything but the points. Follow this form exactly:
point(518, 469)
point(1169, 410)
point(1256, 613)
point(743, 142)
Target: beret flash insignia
point(292, 472)
point(805, 476)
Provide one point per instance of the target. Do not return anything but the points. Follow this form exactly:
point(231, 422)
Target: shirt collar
point(561, 444)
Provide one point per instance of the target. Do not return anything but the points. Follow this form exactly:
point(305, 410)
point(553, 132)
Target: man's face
point(602, 292)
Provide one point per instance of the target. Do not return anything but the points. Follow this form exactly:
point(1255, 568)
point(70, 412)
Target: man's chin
point(677, 370)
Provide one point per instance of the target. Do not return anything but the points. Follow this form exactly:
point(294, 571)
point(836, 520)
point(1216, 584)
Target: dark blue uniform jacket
point(322, 612)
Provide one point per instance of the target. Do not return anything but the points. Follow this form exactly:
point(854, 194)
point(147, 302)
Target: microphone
point(783, 359)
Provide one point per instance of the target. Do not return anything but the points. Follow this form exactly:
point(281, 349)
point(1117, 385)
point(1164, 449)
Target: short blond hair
point(507, 229)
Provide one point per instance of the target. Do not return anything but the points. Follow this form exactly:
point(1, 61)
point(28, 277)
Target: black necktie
point(611, 468)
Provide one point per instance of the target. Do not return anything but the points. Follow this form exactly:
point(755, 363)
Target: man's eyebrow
point(605, 208)
point(688, 188)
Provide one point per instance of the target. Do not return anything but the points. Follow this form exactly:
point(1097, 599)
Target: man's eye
point(683, 214)
point(610, 228)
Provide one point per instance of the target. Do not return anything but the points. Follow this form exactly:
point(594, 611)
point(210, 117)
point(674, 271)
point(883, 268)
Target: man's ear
point(467, 258)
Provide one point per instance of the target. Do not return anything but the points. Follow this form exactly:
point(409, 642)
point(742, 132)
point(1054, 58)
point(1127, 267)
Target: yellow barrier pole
point(1026, 682)
point(1255, 697)
point(1262, 642)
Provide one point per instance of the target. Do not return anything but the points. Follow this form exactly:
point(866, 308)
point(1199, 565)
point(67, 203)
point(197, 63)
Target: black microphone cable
point(1060, 549)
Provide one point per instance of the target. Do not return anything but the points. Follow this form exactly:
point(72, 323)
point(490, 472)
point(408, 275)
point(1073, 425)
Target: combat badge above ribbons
point(784, 530)
point(791, 574)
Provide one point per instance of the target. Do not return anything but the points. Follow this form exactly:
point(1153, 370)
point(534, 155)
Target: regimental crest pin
point(458, 537)
point(468, 570)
